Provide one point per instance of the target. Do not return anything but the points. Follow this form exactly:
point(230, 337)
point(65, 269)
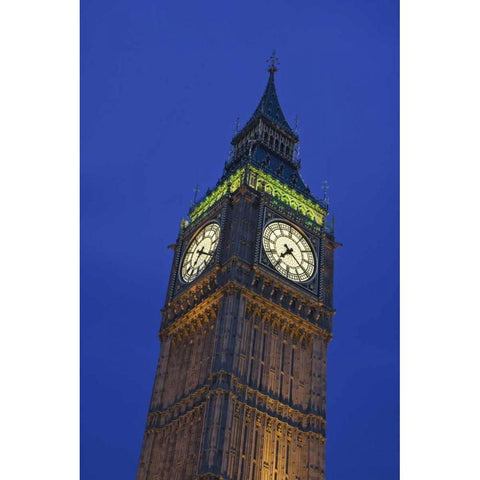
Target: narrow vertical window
point(254, 341)
point(292, 359)
point(244, 448)
point(263, 345)
point(282, 358)
point(276, 455)
point(287, 455)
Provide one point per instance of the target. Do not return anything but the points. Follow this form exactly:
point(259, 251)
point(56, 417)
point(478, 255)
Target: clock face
point(289, 251)
point(200, 252)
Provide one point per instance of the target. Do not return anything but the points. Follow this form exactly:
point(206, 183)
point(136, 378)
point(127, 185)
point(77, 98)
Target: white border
point(440, 108)
point(39, 201)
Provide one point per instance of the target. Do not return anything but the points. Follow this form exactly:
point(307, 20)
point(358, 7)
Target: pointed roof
point(269, 105)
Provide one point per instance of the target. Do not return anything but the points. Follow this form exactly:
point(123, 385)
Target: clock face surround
point(289, 251)
point(200, 252)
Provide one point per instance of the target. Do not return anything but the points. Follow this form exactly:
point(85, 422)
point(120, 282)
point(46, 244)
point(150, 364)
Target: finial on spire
point(237, 125)
point(195, 193)
point(295, 130)
point(325, 188)
point(273, 62)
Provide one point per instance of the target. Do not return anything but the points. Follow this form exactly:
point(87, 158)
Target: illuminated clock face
point(288, 251)
point(200, 252)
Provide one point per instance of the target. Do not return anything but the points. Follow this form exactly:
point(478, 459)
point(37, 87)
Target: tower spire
point(269, 106)
point(268, 141)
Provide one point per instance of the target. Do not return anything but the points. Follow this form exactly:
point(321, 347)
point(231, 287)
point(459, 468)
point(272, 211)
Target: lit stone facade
point(240, 389)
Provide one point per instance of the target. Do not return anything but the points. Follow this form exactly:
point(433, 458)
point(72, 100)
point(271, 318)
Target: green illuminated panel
point(218, 193)
point(261, 181)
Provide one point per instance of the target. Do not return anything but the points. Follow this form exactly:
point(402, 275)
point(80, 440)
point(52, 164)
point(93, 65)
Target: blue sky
point(162, 84)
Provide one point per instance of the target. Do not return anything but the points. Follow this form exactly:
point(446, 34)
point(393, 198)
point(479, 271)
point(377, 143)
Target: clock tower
point(240, 387)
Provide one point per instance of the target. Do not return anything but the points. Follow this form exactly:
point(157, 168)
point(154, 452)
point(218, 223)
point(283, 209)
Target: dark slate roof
point(276, 167)
point(279, 169)
point(269, 108)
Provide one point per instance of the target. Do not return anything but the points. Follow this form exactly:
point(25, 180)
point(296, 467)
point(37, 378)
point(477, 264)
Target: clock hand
point(298, 263)
point(295, 258)
point(198, 252)
point(202, 251)
point(290, 251)
point(287, 251)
